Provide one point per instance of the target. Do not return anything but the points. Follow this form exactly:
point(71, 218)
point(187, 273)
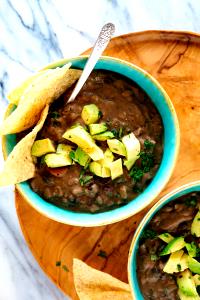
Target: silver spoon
point(100, 45)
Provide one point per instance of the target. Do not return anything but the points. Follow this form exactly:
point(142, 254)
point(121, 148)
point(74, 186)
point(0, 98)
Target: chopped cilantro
point(84, 179)
point(54, 115)
point(154, 257)
point(121, 130)
point(147, 161)
point(100, 114)
point(191, 201)
point(115, 132)
point(149, 234)
point(58, 263)
point(102, 253)
point(72, 155)
point(148, 144)
point(179, 267)
point(65, 268)
point(136, 173)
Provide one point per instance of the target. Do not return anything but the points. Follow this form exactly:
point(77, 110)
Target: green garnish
point(58, 263)
point(148, 144)
point(154, 257)
point(147, 161)
point(149, 234)
point(100, 114)
point(191, 201)
point(65, 268)
point(102, 253)
point(136, 173)
point(121, 129)
point(72, 155)
point(179, 267)
point(84, 179)
point(54, 115)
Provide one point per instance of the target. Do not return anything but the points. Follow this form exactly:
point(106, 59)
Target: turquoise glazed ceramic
point(183, 190)
point(171, 146)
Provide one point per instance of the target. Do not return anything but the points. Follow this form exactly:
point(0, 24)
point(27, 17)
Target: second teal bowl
point(171, 146)
point(132, 263)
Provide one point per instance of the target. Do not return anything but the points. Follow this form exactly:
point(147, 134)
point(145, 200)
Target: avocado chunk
point(63, 148)
point(104, 136)
point(182, 296)
point(191, 248)
point(95, 168)
point(116, 168)
point(108, 158)
point(97, 128)
point(195, 228)
point(132, 146)
point(90, 114)
point(177, 262)
point(81, 157)
point(56, 160)
point(83, 139)
point(42, 147)
point(186, 284)
point(193, 265)
point(196, 279)
point(117, 147)
point(105, 172)
point(176, 244)
point(166, 237)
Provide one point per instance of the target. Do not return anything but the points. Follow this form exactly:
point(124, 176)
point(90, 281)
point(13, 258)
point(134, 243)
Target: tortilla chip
point(15, 95)
point(91, 284)
point(19, 165)
point(37, 96)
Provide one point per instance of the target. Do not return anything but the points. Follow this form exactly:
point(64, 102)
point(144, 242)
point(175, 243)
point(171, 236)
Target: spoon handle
point(101, 43)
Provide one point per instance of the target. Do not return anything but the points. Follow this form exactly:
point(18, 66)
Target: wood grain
point(174, 59)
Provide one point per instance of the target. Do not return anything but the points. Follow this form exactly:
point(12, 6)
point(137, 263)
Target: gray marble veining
point(32, 34)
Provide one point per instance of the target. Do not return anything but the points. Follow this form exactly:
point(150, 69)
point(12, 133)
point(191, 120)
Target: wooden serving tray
point(174, 59)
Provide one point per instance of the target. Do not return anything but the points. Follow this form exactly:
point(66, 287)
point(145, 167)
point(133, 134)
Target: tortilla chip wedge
point(15, 95)
point(19, 165)
point(92, 284)
point(43, 91)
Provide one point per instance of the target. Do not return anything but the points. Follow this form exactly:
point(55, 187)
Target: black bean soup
point(124, 108)
point(175, 219)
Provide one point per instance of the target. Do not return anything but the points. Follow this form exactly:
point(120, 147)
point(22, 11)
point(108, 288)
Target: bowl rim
point(171, 196)
point(129, 212)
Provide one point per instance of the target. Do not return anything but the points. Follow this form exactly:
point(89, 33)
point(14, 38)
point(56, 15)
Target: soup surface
point(125, 108)
point(175, 219)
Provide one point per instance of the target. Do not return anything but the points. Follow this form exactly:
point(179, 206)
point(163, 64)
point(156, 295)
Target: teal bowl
point(132, 263)
point(171, 146)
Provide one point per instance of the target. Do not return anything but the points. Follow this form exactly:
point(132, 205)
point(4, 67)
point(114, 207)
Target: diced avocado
point(182, 296)
point(105, 172)
point(176, 244)
point(81, 157)
point(108, 158)
point(195, 228)
point(186, 284)
point(116, 147)
point(192, 249)
point(83, 139)
point(95, 168)
point(116, 168)
point(96, 153)
point(173, 264)
point(55, 160)
point(196, 279)
point(97, 128)
point(90, 114)
point(193, 265)
point(63, 148)
point(166, 237)
point(104, 136)
point(41, 147)
point(132, 146)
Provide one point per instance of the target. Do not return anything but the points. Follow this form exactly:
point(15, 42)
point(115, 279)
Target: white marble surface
point(32, 34)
